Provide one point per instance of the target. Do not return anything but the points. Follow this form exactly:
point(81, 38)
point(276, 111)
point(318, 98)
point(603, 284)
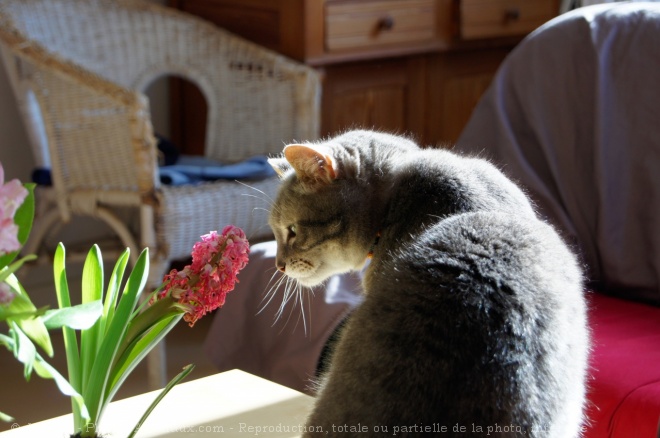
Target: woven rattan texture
point(79, 69)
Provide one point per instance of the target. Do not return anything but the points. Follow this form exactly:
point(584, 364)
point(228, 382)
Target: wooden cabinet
point(456, 80)
point(497, 18)
point(407, 66)
point(383, 94)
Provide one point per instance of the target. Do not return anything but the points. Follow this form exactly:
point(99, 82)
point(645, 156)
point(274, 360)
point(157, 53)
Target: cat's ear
point(280, 165)
point(312, 163)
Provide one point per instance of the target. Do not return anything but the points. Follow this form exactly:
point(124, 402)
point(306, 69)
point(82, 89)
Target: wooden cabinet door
point(456, 82)
point(384, 95)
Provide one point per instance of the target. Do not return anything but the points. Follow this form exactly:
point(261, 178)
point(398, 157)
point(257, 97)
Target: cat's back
point(481, 321)
point(513, 291)
point(442, 183)
point(510, 268)
point(417, 178)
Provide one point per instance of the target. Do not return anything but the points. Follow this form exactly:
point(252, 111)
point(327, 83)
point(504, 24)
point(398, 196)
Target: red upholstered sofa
point(624, 390)
point(573, 114)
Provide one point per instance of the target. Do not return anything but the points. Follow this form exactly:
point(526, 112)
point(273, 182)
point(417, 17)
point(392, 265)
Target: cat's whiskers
point(289, 293)
point(265, 198)
point(272, 289)
point(300, 298)
point(262, 209)
point(309, 295)
point(271, 293)
point(258, 232)
point(293, 295)
point(270, 204)
point(303, 292)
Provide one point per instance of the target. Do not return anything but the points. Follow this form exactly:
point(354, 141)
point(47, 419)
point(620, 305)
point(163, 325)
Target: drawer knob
point(511, 14)
point(385, 23)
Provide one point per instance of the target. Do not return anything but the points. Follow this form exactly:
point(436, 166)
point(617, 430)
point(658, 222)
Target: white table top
point(233, 404)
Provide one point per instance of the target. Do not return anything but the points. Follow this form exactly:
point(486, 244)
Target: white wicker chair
point(79, 67)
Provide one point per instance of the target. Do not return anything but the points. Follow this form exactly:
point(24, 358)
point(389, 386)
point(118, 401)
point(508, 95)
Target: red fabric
point(624, 393)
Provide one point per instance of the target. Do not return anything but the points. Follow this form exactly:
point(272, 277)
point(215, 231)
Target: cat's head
point(311, 219)
point(325, 218)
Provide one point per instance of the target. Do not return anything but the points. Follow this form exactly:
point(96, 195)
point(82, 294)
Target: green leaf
point(8, 312)
point(94, 392)
point(59, 272)
point(6, 418)
point(24, 350)
point(32, 327)
point(46, 371)
point(23, 218)
point(7, 342)
point(79, 317)
point(92, 290)
point(113, 291)
point(179, 377)
point(10, 269)
point(70, 340)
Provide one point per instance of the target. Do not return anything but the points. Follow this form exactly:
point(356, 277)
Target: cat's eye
point(291, 232)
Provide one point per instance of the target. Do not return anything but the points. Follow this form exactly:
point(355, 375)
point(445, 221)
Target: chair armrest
point(93, 124)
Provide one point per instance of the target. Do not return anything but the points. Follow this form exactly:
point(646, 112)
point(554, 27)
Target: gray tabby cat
point(473, 321)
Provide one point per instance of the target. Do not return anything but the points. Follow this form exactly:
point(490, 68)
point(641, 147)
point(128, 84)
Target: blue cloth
point(190, 170)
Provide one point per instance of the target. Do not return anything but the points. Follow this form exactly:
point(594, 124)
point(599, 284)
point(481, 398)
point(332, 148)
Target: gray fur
point(473, 314)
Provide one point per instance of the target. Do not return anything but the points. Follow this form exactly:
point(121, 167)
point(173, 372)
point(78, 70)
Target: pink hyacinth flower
point(12, 196)
point(202, 286)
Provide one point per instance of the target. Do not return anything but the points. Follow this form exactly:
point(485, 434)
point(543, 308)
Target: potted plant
point(112, 330)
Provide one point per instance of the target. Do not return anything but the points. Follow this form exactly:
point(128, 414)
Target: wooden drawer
point(352, 25)
point(497, 18)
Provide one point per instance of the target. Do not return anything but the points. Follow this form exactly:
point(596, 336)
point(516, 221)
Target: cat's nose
point(281, 266)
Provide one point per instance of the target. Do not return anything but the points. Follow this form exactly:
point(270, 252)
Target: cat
point(473, 320)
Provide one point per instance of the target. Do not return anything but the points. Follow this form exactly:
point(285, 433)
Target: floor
point(39, 399)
